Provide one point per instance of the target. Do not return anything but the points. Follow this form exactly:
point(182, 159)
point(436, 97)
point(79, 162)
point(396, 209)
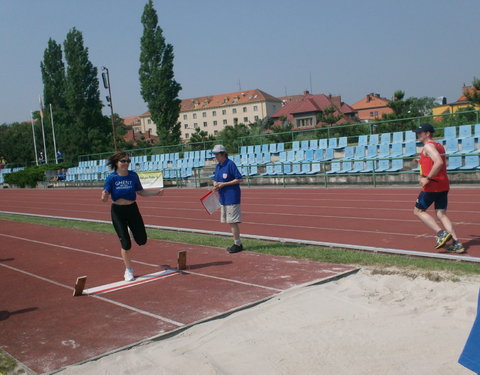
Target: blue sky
point(350, 47)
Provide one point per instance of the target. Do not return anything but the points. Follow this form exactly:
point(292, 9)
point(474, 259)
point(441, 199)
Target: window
point(215, 132)
point(234, 110)
point(185, 117)
point(194, 115)
point(205, 124)
point(244, 109)
point(256, 118)
point(224, 122)
point(215, 123)
point(214, 113)
point(224, 111)
point(204, 114)
point(245, 119)
point(187, 135)
point(255, 108)
point(185, 126)
point(149, 121)
point(235, 121)
point(195, 125)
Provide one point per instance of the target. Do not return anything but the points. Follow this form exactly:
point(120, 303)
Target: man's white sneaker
point(129, 274)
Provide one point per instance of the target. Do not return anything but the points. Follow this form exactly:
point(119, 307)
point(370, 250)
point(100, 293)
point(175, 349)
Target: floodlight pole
point(106, 83)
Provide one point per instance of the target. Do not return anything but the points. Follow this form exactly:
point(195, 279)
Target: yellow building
point(461, 104)
point(213, 113)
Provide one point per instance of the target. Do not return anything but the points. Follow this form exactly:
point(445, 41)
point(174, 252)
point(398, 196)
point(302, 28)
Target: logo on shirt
point(123, 184)
point(225, 175)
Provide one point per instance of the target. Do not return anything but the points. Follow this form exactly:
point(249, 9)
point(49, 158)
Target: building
point(372, 107)
point(302, 110)
point(139, 130)
point(461, 104)
point(214, 112)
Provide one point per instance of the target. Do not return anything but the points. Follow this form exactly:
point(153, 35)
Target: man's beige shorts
point(231, 214)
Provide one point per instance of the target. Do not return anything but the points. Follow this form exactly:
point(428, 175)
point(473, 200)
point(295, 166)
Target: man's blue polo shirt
point(226, 172)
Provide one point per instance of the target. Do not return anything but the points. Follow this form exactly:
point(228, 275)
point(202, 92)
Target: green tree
point(231, 136)
point(200, 140)
point(158, 86)
point(16, 142)
point(473, 95)
point(88, 131)
point(328, 116)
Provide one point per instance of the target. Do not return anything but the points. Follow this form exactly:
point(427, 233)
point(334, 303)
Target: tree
point(328, 116)
point(199, 138)
point(473, 94)
point(158, 86)
point(231, 136)
point(88, 131)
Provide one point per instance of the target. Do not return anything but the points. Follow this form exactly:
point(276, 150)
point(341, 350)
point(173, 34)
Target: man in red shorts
point(435, 187)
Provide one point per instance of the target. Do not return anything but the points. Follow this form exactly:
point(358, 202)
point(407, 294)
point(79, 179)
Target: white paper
point(151, 180)
point(210, 202)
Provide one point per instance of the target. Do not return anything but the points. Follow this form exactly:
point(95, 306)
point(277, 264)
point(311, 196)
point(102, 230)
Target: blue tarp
point(470, 357)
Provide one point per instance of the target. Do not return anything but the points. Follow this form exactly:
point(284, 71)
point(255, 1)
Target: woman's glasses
point(124, 160)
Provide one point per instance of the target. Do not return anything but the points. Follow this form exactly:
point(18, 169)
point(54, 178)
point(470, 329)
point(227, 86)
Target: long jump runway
point(46, 328)
point(380, 218)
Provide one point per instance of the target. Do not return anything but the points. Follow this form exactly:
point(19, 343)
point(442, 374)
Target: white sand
point(362, 324)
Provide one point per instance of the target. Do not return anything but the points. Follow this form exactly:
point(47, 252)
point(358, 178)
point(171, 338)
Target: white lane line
point(158, 317)
point(134, 261)
point(119, 285)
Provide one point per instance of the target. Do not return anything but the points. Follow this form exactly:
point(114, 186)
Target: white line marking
point(98, 297)
point(119, 285)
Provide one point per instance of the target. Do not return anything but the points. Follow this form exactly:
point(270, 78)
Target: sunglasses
point(125, 161)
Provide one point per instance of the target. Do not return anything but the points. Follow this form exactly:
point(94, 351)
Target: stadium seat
point(316, 167)
point(323, 143)
point(295, 145)
point(410, 149)
point(334, 167)
point(332, 143)
point(319, 155)
point(257, 149)
point(471, 162)
point(253, 170)
point(291, 156)
point(397, 150)
point(299, 155)
point(280, 147)
point(296, 169)
point(410, 136)
point(264, 148)
point(397, 137)
point(384, 151)
point(450, 132)
point(465, 131)
point(346, 167)
point(468, 146)
point(304, 144)
point(273, 148)
point(348, 153)
point(314, 144)
point(342, 142)
point(385, 138)
point(359, 152)
point(282, 157)
point(362, 140)
point(250, 149)
point(357, 166)
point(383, 165)
point(374, 139)
point(268, 171)
point(477, 131)
point(368, 167)
point(278, 170)
point(372, 151)
point(287, 168)
point(451, 146)
point(306, 168)
point(397, 165)
point(454, 162)
point(329, 154)
point(309, 154)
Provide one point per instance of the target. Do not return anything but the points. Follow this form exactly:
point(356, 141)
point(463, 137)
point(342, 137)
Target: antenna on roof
point(286, 91)
point(311, 90)
point(239, 85)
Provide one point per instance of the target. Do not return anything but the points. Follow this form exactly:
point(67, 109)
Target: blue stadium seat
point(465, 131)
point(265, 148)
point(359, 152)
point(385, 138)
point(334, 167)
point(252, 171)
point(362, 140)
point(300, 155)
point(282, 157)
point(314, 144)
point(309, 154)
point(250, 149)
point(368, 167)
point(477, 131)
point(316, 167)
point(384, 151)
point(257, 149)
point(397, 150)
point(346, 167)
point(451, 146)
point(319, 155)
point(397, 137)
point(454, 162)
point(357, 166)
point(273, 148)
point(471, 162)
point(342, 142)
point(348, 153)
point(372, 151)
point(323, 143)
point(397, 165)
point(280, 147)
point(410, 149)
point(450, 132)
point(296, 169)
point(468, 146)
point(304, 144)
point(290, 155)
point(374, 139)
point(295, 145)
point(410, 136)
point(329, 154)
point(287, 168)
point(383, 165)
point(332, 143)
point(268, 171)
point(306, 168)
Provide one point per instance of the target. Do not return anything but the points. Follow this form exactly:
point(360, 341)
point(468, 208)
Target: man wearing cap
point(226, 181)
point(435, 187)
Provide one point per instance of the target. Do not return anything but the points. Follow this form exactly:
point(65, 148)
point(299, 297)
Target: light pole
point(106, 83)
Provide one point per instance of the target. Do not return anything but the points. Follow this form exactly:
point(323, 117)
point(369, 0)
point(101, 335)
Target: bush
point(31, 176)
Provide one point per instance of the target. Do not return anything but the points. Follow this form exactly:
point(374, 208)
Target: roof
point(371, 101)
point(463, 98)
point(131, 120)
point(231, 98)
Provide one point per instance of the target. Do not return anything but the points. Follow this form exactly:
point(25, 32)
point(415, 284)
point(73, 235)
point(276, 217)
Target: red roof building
point(302, 110)
point(372, 107)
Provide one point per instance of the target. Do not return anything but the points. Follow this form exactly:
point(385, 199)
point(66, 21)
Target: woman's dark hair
point(113, 160)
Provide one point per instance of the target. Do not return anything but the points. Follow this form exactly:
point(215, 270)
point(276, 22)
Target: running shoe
point(129, 274)
point(456, 247)
point(235, 248)
point(442, 237)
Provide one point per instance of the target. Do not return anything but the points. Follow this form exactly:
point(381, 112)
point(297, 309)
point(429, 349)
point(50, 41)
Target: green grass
point(338, 256)
point(7, 363)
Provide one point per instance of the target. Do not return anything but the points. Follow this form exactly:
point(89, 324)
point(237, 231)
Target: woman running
point(123, 185)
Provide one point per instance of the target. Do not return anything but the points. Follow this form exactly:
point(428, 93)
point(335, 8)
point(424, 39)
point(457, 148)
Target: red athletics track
point(46, 328)
point(377, 217)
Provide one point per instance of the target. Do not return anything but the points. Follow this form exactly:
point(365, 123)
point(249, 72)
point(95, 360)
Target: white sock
point(238, 242)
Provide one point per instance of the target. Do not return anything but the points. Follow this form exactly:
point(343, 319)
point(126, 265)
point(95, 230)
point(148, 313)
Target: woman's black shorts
point(124, 217)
